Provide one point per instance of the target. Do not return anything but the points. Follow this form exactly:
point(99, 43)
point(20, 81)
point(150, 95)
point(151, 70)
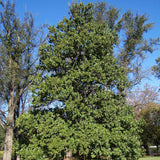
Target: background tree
point(17, 43)
point(77, 68)
point(141, 98)
point(132, 48)
point(146, 108)
point(151, 126)
point(156, 68)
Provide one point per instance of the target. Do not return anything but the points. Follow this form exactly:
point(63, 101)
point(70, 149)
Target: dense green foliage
point(78, 71)
point(44, 135)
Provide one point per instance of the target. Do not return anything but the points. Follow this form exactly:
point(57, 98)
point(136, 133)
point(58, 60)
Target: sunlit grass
point(150, 158)
point(144, 158)
point(1, 154)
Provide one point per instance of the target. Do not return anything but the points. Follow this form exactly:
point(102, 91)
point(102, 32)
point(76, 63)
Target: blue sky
point(52, 11)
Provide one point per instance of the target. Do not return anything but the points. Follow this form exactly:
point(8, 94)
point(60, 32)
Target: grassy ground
point(1, 155)
point(151, 158)
point(144, 158)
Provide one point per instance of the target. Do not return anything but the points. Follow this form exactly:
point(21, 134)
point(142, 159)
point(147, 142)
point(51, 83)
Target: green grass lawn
point(1, 155)
point(151, 158)
point(144, 158)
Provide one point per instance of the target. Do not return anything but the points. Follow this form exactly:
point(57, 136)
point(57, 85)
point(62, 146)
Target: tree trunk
point(16, 134)
point(68, 155)
point(8, 143)
point(18, 158)
point(9, 129)
point(157, 147)
point(147, 149)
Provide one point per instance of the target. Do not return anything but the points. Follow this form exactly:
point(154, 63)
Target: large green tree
point(79, 73)
point(17, 43)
